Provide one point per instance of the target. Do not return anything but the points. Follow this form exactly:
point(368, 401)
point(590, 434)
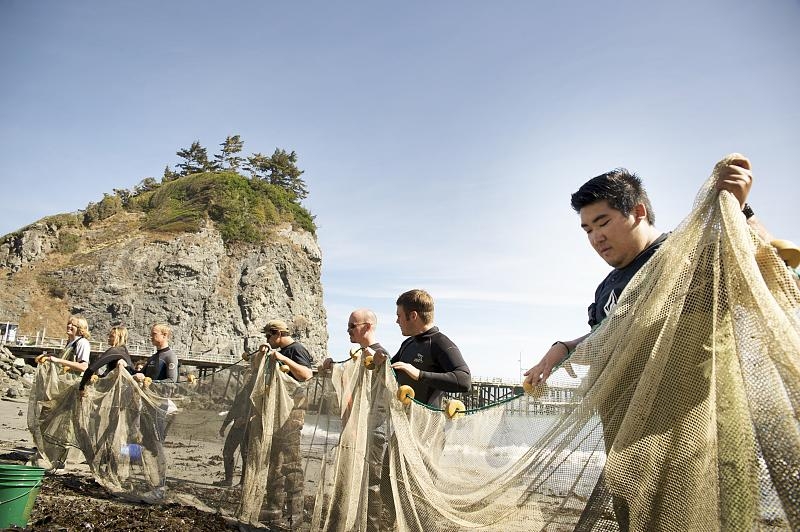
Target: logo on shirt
point(418, 359)
point(611, 303)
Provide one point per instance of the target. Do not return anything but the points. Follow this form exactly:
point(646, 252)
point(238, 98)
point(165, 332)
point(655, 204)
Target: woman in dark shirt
point(115, 355)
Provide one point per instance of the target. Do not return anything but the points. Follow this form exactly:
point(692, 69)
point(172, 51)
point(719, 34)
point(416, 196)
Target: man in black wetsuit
point(161, 366)
point(618, 219)
point(427, 360)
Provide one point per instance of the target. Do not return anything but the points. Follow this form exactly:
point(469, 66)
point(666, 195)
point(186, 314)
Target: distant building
point(8, 332)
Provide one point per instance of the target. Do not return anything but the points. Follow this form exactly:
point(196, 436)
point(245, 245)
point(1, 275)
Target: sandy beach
point(72, 500)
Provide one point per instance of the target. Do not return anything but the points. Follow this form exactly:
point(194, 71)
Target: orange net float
point(405, 394)
point(369, 362)
point(369, 358)
point(534, 391)
point(455, 409)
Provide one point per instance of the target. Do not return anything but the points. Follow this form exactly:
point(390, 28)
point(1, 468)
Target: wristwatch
point(747, 210)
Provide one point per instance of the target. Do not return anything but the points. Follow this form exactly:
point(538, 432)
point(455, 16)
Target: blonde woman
point(115, 355)
point(76, 355)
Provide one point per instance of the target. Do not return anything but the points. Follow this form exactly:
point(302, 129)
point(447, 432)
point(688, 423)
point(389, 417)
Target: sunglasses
point(351, 326)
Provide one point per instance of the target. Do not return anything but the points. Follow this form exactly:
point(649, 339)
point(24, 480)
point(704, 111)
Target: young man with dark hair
point(616, 215)
point(618, 219)
point(238, 415)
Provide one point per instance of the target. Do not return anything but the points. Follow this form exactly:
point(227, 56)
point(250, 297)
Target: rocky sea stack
point(215, 255)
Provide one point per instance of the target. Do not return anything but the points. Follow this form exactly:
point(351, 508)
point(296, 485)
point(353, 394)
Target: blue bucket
point(132, 451)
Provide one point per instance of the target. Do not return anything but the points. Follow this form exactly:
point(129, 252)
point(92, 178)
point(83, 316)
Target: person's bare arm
point(557, 353)
point(301, 372)
point(77, 366)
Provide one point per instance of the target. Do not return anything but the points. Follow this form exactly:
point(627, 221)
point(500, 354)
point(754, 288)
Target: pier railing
point(54, 345)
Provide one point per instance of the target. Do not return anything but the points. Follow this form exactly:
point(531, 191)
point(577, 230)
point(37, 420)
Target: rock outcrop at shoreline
point(16, 377)
point(216, 296)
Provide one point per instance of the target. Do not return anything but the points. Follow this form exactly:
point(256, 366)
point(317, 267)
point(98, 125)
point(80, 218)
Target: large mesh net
point(684, 416)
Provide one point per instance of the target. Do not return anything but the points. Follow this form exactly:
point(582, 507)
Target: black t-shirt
point(297, 353)
point(607, 294)
point(442, 368)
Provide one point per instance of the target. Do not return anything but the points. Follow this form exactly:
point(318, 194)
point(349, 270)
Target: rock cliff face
point(217, 298)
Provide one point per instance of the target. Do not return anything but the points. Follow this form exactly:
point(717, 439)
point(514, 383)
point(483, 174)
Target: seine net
point(684, 416)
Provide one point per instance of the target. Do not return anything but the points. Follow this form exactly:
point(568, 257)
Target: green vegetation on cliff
point(243, 208)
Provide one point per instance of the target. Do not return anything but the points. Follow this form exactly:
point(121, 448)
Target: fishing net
point(138, 438)
point(683, 416)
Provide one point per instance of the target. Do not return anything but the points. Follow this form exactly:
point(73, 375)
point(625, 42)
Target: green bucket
point(19, 486)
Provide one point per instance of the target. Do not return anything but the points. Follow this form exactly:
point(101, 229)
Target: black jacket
point(442, 368)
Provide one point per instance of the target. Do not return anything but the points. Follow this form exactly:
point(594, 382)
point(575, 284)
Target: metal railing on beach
point(56, 344)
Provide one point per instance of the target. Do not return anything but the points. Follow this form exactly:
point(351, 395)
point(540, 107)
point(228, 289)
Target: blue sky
point(440, 140)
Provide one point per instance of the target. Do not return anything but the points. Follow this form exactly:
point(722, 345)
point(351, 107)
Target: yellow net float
point(369, 358)
point(405, 394)
point(94, 378)
point(191, 378)
point(788, 251)
point(42, 358)
point(534, 391)
point(147, 382)
point(455, 409)
point(285, 368)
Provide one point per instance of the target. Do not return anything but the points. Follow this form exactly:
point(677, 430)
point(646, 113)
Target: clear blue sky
point(440, 140)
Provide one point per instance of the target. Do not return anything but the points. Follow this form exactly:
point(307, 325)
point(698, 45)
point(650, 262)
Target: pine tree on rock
point(228, 159)
point(195, 159)
point(278, 169)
